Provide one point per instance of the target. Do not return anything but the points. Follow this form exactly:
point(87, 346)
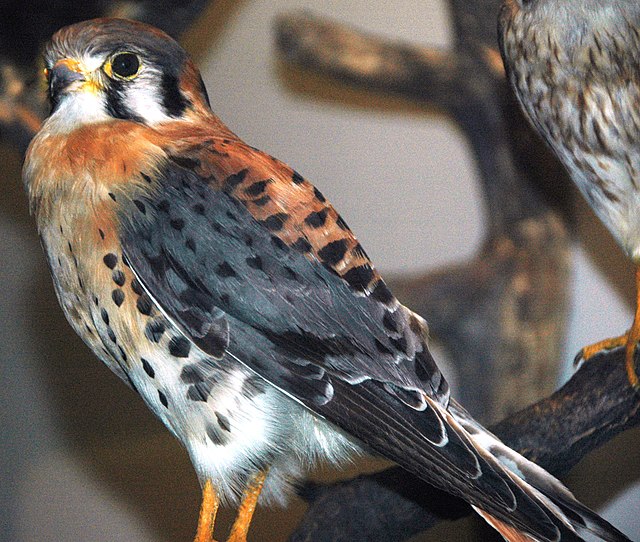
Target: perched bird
point(575, 67)
point(227, 291)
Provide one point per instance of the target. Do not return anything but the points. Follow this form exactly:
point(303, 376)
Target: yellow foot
point(588, 352)
point(629, 340)
point(629, 359)
point(208, 511)
point(240, 526)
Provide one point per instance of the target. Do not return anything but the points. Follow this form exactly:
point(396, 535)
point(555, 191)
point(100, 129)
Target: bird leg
point(632, 340)
point(208, 511)
point(629, 340)
point(247, 507)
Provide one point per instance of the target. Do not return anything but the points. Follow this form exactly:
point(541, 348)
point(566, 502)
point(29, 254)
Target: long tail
point(446, 447)
point(537, 483)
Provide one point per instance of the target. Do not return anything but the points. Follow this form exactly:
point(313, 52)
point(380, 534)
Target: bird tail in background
point(537, 483)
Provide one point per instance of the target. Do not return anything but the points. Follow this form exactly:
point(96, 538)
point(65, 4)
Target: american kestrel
point(228, 292)
point(575, 67)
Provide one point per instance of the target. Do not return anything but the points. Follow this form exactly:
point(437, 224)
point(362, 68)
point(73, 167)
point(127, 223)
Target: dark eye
point(125, 65)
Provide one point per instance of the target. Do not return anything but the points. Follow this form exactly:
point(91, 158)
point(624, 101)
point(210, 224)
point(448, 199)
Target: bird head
point(106, 69)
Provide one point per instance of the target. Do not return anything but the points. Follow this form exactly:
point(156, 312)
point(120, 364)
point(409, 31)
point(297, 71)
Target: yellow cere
point(107, 68)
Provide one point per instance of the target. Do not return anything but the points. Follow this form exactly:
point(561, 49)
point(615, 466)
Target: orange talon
point(247, 507)
point(632, 340)
point(586, 353)
point(208, 512)
point(629, 340)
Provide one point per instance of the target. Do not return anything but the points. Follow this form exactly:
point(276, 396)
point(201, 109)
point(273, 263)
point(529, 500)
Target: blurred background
point(81, 459)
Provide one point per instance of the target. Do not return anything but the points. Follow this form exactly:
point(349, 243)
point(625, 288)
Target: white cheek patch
point(76, 109)
point(143, 99)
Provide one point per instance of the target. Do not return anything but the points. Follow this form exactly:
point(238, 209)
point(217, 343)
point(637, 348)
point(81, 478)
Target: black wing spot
point(191, 244)
point(390, 321)
point(235, 179)
point(333, 253)
point(278, 243)
point(163, 399)
point(290, 273)
point(275, 222)
point(317, 219)
point(136, 287)
point(105, 316)
point(147, 368)
point(302, 245)
point(224, 270)
point(123, 354)
point(177, 223)
point(359, 277)
point(110, 260)
point(215, 342)
point(179, 347)
point(118, 277)
point(255, 263)
point(190, 374)
point(186, 162)
point(198, 392)
point(319, 195)
point(214, 435)
point(342, 224)
point(382, 293)
point(144, 304)
point(257, 188)
point(297, 178)
point(261, 202)
point(118, 296)
point(141, 207)
point(154, 331)
point(198, 208)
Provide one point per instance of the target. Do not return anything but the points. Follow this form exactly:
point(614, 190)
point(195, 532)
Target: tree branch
point(592, 408)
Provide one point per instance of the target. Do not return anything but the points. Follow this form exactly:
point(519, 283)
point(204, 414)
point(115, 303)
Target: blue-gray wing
point(237, 288)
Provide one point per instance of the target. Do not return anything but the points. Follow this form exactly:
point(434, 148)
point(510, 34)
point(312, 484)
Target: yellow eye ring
point(124, 66)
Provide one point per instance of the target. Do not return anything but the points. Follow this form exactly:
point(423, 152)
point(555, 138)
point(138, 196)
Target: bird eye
point(124, 66)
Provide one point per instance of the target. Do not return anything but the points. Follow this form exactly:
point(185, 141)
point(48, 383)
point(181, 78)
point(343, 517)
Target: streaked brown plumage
point(575, 67)
point(226, 290)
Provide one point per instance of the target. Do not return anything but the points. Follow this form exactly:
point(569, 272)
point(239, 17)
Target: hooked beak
point(64, 73)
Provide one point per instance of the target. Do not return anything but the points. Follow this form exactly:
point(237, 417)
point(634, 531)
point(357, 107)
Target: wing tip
point(508, 532)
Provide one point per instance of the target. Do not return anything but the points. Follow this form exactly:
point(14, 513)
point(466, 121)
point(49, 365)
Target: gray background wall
point(81, 460)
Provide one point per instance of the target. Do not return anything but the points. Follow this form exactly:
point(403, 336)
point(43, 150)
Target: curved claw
point(586, 353)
